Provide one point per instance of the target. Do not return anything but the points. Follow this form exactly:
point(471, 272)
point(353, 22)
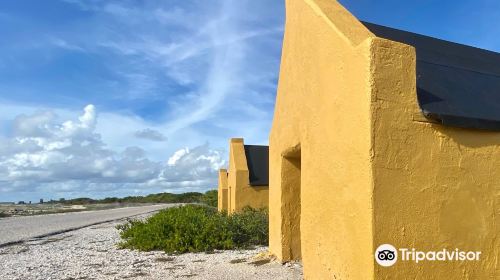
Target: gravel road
point(91, 253)
point(17, 229)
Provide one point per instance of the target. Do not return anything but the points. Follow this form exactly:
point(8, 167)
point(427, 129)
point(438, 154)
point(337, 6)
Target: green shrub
point(210, 198)
point(195, 228)
point(4, 215)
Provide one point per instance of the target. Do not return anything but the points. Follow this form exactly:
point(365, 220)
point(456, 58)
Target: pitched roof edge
point(340, 19)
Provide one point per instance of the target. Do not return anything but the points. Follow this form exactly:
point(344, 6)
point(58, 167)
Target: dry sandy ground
point(91, 253)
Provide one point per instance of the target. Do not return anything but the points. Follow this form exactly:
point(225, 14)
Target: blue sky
point(110, 98)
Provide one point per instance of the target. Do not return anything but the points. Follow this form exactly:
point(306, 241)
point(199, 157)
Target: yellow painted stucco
point(240, 192)
point(222, 192)
point(354, 164)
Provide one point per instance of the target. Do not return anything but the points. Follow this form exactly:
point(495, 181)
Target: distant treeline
point(209, 198)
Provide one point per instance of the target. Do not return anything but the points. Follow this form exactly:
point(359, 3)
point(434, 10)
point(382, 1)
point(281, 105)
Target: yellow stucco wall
point(435, 187)
point(222, 193)
point(354, 164)
point(322, 116)
point(240, 192)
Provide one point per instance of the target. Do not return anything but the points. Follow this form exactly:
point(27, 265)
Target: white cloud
point(177, 155)
point(192, 167)
point(150, 134)
point(69, 156)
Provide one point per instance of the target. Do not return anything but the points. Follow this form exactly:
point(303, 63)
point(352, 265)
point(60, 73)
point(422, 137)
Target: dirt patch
point(94, 265)
point(237, 261)
point(260, 262)
point(136, 274)
point(14, 250)
point(138, 262)
point(51, 240)
point(165, 259)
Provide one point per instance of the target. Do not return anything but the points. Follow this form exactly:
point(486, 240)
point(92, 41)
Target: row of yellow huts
point(379, 137)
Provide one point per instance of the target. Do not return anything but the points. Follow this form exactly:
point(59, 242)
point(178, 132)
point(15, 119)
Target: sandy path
point(17, 229)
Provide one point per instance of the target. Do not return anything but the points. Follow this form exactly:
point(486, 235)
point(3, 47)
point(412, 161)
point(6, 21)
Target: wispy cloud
point(87, 5)
point(150, 134)
point(60, 43)
point(212, 57)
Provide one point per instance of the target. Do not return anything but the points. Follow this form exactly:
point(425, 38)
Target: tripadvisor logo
point(387, 255)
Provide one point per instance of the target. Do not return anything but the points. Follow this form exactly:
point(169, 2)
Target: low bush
point(196, 228)
point(210, 198)
point(4, 215)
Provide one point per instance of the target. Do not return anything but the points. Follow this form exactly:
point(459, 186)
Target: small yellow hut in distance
point(222, 201)
point(246, 182)
point(382, 136)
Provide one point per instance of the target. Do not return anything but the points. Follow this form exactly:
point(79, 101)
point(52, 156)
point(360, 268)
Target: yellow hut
point(246, 182)
point(382, 136)
point(222, 197)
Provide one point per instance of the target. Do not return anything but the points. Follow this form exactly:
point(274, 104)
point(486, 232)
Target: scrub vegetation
point(196, 228)
point(190, 197)
point(210, 198)
point(4, 215)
